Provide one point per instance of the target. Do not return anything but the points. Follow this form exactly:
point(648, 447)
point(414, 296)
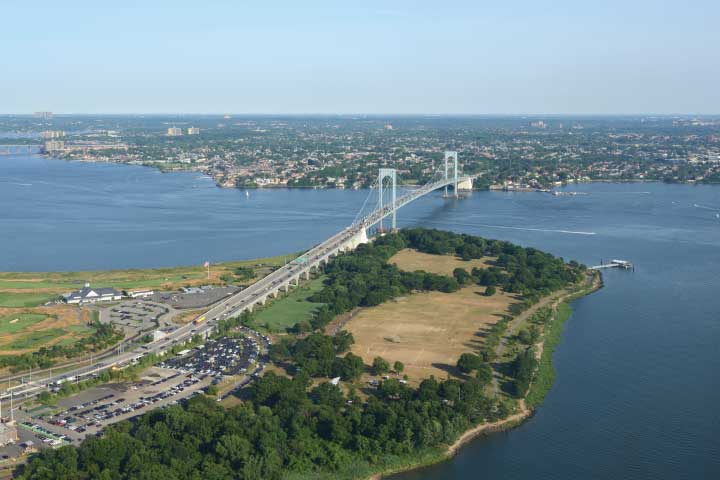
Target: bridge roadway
point(245, 300)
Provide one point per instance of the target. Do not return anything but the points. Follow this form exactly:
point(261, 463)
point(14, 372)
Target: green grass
point(78, 329)
point(24, 299)
point(28, 284)
point(357, 469)
point(24, 320)
point(288, 310)
point(545, 375)
point(34, 339)
point(66, 341)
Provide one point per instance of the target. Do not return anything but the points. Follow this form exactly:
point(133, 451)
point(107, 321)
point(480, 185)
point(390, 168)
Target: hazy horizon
point(321, 57)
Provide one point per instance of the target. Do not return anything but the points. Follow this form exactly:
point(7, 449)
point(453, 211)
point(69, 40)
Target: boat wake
point(705, 207)
point(528, 229)
point(548, 230)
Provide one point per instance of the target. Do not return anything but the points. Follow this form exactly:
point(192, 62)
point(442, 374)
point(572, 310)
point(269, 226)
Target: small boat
point(247, 194)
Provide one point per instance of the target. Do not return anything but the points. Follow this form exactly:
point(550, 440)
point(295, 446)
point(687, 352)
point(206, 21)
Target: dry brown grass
point(189, 316)
point(428, 331)
point(411, 260)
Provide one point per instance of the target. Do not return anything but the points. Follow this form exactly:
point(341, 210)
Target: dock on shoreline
point(614, 264)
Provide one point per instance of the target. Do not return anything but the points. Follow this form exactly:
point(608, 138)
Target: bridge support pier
point(391, 174)
point(452, 156)
point(465, 185)
point(358, 239)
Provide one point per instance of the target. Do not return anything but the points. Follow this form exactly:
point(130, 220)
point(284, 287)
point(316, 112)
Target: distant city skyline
point(324, 57)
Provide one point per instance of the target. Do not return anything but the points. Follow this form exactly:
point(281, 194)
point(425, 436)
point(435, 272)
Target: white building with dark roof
point(91, 295)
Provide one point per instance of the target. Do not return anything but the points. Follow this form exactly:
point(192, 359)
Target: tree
point(484, 374)
point(490, 291)
point(343, 341)
point(469, 362)
point(462, 276)
point(380, 366)
point(398, 366)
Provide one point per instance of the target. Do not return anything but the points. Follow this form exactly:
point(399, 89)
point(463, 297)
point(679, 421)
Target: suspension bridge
point(283, 279)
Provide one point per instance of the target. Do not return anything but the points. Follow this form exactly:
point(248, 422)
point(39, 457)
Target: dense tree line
point(286, 426)
point(318, 355)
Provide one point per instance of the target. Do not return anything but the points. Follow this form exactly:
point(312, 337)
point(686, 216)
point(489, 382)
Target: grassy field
point(411, 260)
point(14, 323)
point(24, 298)
point(286, 311)
point(23, 330)
point(428, 331)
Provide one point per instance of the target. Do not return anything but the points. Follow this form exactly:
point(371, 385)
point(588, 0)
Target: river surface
point(637, 394)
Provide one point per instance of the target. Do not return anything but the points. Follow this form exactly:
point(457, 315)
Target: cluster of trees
point(318, 355)
point(522, 370)
point(103, 336)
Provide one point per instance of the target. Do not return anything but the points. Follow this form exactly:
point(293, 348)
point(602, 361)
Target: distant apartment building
point(174, 132)
point(193, 131)
point(52, 134)
point(54, 145)
point(43, 115)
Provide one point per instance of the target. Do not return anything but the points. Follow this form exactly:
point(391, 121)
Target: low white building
point(141, 294)
point(92, 295)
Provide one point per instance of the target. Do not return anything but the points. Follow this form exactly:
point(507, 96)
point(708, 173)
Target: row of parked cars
point(45, 435)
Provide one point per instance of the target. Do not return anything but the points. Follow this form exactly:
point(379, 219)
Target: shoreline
point(496, 188)
point(509, 422)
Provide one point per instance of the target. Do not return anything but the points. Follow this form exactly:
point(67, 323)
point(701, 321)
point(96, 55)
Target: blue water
point(637, 390)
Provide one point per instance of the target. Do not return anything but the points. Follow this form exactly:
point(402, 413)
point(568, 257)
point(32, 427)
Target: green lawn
point(24, 299)
point(288, 310)
point(24, 320)
point(30, 284)
point(34, 339)
point(78, 329)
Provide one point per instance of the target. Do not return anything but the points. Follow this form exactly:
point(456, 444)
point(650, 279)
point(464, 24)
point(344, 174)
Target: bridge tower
point(391, 174)
point(452, 156)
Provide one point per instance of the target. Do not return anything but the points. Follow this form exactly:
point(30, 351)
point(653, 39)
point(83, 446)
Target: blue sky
point(391, 56)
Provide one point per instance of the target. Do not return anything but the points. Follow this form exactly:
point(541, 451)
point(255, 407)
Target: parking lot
point(89, 412)
point(226, 356)
point(196, 297)
point(134, 316)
